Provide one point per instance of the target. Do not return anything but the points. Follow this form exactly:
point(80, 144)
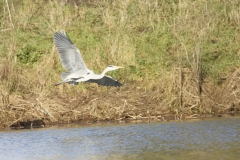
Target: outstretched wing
point(106, 81)
point(69, 54)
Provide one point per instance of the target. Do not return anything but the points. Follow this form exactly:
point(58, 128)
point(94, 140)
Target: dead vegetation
point(126, 103)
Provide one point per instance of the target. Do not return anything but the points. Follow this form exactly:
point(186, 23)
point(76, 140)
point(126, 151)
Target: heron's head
point(111, 67)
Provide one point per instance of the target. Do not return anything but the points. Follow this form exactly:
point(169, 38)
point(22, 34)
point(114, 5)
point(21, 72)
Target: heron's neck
point(104, 72)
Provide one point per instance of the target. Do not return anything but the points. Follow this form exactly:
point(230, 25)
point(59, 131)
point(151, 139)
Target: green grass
point(152, 39)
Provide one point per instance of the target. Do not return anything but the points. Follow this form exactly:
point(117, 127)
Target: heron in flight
point(77, 70)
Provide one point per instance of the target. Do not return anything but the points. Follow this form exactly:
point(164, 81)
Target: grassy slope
point(157, 41)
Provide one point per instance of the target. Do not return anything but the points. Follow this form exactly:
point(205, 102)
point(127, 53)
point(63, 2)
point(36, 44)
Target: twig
point(15, 107)
point(14, 121)
point(44, 110)
point(9, 13)
point(3, 30)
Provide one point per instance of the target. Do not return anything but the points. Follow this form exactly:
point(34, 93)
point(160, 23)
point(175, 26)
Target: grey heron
point(77, 70)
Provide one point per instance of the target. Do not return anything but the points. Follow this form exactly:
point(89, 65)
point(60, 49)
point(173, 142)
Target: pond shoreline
point(162, 118)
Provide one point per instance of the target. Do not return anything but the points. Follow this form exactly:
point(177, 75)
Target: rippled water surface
point(202, 139)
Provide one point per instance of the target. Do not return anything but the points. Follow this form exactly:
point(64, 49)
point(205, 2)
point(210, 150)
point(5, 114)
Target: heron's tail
point(72, 82)
point(59, 83)
point(64, 77)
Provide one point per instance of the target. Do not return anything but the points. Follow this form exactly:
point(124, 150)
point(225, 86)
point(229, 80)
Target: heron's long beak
point(119, 66)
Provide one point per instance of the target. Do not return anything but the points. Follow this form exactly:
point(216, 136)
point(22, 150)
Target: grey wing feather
point(69, 54)
point(106, 81)
point(76, 74)
point(65, 75)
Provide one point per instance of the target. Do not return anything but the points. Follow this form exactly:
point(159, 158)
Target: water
point(203, 139)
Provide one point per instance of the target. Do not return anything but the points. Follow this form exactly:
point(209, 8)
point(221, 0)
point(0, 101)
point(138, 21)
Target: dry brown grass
point(126, 103)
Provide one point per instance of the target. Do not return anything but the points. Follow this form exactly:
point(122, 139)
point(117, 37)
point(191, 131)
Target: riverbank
point(161, 118)
point(130, 102)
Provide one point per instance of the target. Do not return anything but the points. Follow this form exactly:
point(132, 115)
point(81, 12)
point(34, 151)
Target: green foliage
point(28, 54)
